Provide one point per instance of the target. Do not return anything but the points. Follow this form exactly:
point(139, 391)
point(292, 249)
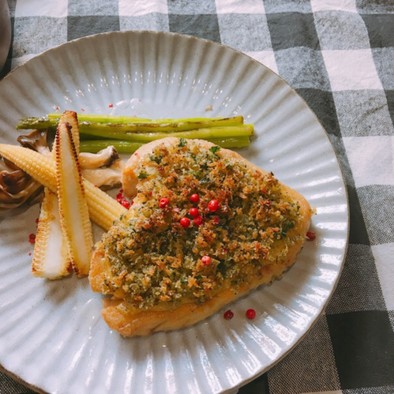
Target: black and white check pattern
point(339, 56)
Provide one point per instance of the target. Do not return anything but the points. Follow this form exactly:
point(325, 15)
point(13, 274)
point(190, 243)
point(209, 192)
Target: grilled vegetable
point(131, 132)
point(124, 124)
point(104, 168)
point(105, 157)
point(131, 147)
point(103, 209)
point(16, 187)
point(70, 118)
point(36, 140)
point(73, 208)
point(51, 256)
point(103, 131)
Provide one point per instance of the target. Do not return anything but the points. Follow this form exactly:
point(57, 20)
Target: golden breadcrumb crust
point(131, 315)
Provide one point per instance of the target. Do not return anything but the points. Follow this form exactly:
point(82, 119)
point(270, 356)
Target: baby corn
point(38, 166)
point(51, 257)
point(103, 209)
point(73, 208)
point(71, 118)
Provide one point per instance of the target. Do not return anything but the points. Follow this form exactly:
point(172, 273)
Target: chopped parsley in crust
point(245, 229)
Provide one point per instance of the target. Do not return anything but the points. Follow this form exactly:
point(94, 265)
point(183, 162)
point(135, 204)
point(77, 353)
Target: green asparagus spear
point(128, 133)
point(100, 118)
point(93, 146)
point(118, 119)
point(203, 133)
point(122, 124)
point(51, 120)
point(35, 123)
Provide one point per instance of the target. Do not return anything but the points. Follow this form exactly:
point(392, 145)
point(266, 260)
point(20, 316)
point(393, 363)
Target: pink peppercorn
point(164, 202)
point(228, 315)
point(250, 314)
point(185, 222)
point(194, 198)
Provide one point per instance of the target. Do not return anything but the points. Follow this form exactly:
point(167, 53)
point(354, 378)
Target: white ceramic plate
point(51, 333)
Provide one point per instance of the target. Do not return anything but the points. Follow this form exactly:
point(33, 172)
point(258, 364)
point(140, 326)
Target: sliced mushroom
point(103, 169)
point(106, 178)
point(16, 187)
point(104, 158)
point(36, 140)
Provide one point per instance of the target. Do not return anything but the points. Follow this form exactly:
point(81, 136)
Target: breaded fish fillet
point(206, 227)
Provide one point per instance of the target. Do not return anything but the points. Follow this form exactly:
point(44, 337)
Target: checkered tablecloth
point(339, 56)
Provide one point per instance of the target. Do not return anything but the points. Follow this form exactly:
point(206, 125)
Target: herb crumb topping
point(238, 221)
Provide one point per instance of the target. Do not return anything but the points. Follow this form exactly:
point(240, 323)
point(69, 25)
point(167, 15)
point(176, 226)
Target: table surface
point(339, 56)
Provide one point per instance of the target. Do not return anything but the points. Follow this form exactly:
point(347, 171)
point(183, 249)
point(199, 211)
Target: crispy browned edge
point(130, 321)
